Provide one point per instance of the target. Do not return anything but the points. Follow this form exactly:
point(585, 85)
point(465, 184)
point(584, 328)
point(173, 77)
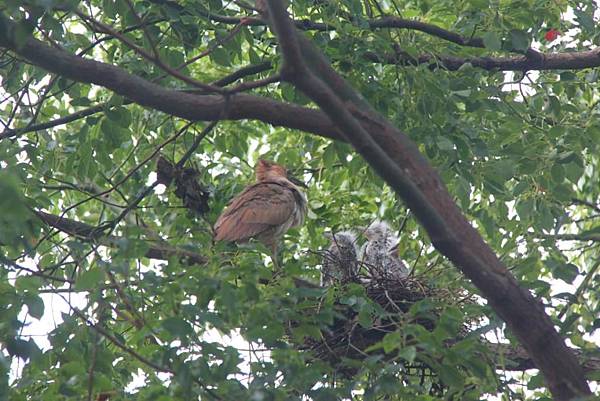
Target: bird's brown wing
point(256, 209)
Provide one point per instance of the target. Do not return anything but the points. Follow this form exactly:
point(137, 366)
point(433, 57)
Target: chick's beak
point(296, 181)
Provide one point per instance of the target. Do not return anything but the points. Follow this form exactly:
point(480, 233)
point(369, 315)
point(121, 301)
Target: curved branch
point(430, 29)
point(243, 72)
point(375, 23)
point(189, 106)
point(226, 80)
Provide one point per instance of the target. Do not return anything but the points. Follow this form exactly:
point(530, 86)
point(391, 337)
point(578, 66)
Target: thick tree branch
point(189, 106)
point(538, 61)
point(420, 186)
point(86, 232)
point(78, 115)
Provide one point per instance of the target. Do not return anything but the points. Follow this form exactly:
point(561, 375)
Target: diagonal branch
point(584, 236)
point(89, 233)
point(409, 174)
point(78, 115)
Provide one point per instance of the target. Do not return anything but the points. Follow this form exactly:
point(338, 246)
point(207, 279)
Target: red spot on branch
point(552, 34)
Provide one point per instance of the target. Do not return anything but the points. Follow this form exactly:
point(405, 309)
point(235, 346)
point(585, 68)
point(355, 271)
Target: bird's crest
point(266, 170)
point(342, 237)
point(378, 229)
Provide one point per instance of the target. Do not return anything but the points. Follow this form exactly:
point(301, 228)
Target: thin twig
point(255, 84)
point(582, 287)
point(171, 71)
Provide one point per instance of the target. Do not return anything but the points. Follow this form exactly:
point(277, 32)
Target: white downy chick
point(340, 260)
point(380, 253)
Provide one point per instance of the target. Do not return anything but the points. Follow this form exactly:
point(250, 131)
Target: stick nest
point(347, 338)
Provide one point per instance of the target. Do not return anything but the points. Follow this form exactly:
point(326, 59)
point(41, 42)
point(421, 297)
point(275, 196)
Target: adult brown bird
point(265, 210)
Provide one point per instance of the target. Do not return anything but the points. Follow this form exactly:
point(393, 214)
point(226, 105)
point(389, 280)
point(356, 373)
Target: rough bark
point(532, 61)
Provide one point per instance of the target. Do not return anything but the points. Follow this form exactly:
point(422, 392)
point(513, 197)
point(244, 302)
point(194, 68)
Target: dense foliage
point(518, 151)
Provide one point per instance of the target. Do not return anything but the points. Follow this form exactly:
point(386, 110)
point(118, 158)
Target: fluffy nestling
point(380, 253)
point(340, 260)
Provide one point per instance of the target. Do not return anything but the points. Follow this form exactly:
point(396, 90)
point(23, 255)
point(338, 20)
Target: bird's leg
point(275, 257)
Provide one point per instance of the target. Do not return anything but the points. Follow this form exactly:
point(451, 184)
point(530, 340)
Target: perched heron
point(380, 253)
point(265, 210)
point(340, 260)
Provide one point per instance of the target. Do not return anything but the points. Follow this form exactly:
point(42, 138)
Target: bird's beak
point(296, 181)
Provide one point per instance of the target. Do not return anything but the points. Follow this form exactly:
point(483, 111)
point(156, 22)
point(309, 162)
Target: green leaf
point(408, 353)
point(114, 134)
point(585, 20)
point(492, 41)
point(21, 348)
point(91, 278)
point(221, 56)
point(365, 318)
point(545, 219)
point(177, 326)
point(391, 341)
point(35, 305)
point(558, 173)
point(566, 272)
point(15, 227)
point(28, 283)
point(519, 39)
point(525, 208)
point(567, 76)
point(573, 171)
point(562, 270)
